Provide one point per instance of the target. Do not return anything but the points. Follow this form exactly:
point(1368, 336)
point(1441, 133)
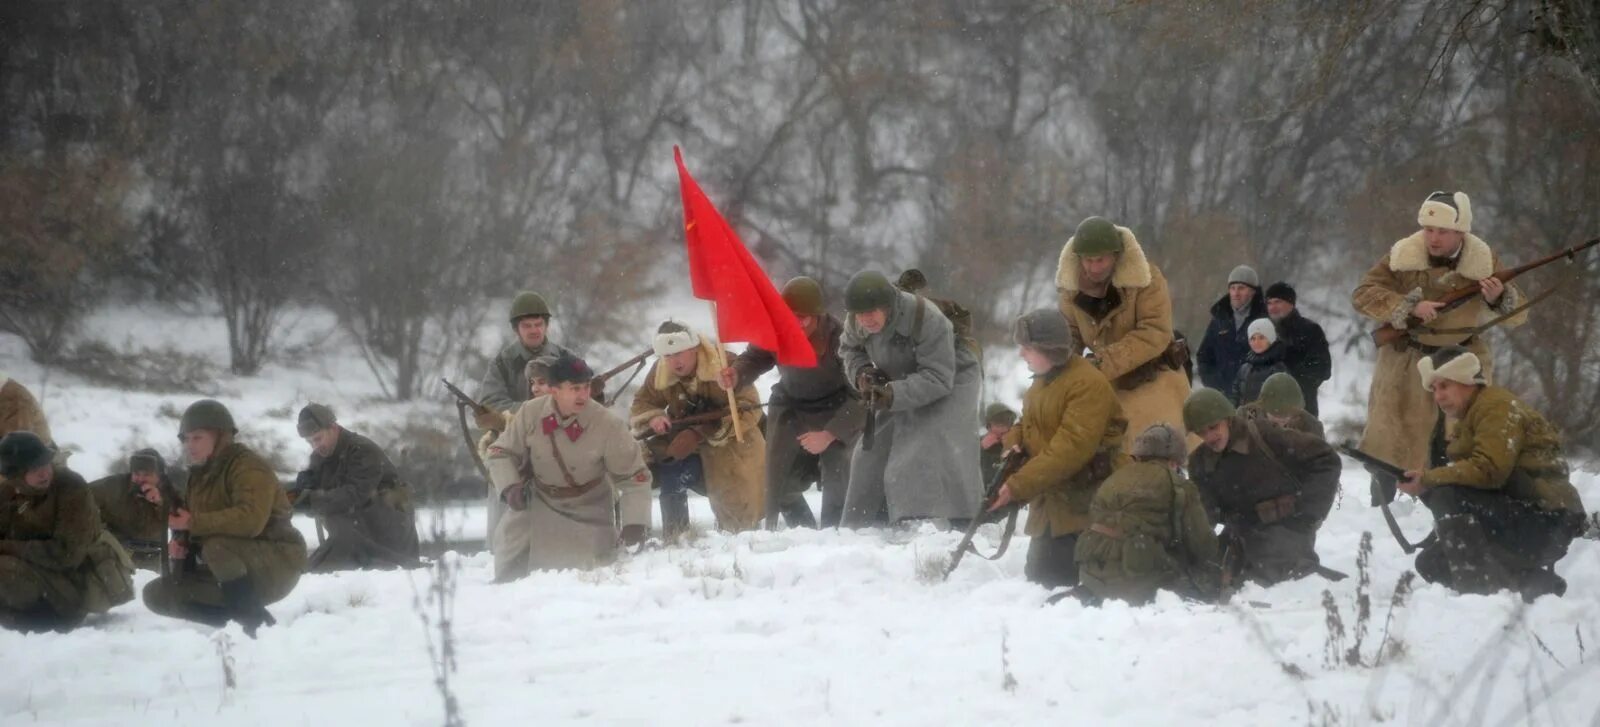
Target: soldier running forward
point(1504, 506)
point(901, 354)
point(706, 455)
point(813, 416)
point(242, 552)
point(1148, 528)
point(505, 383)
point(130, 507)
point(1072, 431)
point(1270, 487)
point(1119, 307)
point(568, 469)
point(57, 563)
point(354, 491)
point(1443, 256)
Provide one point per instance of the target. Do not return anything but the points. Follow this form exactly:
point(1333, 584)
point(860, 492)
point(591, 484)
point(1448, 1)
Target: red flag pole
point(722, 363)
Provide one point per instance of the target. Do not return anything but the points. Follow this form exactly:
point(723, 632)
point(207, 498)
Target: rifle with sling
point(463, 403)
point(1387, 334)
point(869, 435)
point(174, 503)
point(1013, 461)
point(1391, 470)
point(597, 385)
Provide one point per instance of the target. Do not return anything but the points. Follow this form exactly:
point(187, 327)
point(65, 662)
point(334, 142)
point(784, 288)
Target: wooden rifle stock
point(1387, 334)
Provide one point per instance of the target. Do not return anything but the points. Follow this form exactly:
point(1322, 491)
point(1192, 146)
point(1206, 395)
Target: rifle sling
point(1005, 537)
point(1475, 330)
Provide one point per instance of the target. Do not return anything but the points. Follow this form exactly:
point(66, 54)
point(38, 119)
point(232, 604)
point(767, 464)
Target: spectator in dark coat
point(1306, 347)
point(1225, 344)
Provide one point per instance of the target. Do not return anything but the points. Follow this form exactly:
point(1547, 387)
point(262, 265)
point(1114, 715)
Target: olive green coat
point(240, 509)
point(52, 544)
point(138, 524)
point(1149, 532)
point(1069, 416)
point(1502, 444)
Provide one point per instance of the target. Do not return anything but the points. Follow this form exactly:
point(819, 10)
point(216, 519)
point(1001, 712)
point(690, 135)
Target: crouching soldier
point(131, 510)
point(684, 382)
point(1148, 528)
point(1072, 431)
point(57, 564)
point(1271, 487)
point(1282, 402)
point(241, 552)
point(1505, 508)
point(355, 493)
point(563, 467)
point(813, 419)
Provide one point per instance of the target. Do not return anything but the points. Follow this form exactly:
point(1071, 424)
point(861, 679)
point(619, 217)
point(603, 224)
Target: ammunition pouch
point(1274, 509)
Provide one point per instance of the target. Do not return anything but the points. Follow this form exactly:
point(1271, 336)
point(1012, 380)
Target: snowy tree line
point(405, 163)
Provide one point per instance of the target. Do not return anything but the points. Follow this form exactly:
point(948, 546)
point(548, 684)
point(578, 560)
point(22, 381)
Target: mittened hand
point(491, 420)
point(516, 497)
point(882, 397)
point(684, 443)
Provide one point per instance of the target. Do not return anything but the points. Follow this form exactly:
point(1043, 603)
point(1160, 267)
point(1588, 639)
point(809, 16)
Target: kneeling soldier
point(683, 383)
point(354, 491)
point(130, 507)
point(1505, 508)
point(1283, 402)
point(1271, 487)
point(1072, 430)
point(562, 467)
point(1148, 528)
point(242, 552)
point(57, 564)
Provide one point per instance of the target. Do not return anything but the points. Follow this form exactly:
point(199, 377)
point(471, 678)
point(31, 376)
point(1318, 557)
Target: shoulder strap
point(561, 462)
point(1260, 442)
point(916, 318)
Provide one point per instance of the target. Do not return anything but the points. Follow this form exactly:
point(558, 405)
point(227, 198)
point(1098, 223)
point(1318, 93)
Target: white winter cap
point(1452, 364)
point(669, 342)
point(1446, 210)
point(1263, 327)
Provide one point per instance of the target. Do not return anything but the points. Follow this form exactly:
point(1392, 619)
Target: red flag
point(721, 270)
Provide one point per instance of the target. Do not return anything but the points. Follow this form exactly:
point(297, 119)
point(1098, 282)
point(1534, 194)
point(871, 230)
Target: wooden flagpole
point(722, 363)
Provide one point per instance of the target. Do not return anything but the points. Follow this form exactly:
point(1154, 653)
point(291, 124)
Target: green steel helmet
point(998, 413)
point(911, 281)
point(1096, 236)
point(868, 290)
point(1280, 394)
point(1204, 408)
point(804, 296)
point(528, 303)
point(207, 414)
point(21, 452)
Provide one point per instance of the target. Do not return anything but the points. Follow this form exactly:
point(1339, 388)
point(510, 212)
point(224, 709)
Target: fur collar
point(705, 368)
point(1410, 255)
point(1132, 271)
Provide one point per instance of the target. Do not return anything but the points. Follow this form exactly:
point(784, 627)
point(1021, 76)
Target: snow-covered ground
point(786, 628)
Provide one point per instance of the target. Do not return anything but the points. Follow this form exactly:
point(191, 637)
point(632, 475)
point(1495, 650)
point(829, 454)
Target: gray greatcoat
point(924, 463)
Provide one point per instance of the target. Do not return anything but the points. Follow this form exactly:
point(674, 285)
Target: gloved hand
point(491, 420)
point(516, 497)
point(868, 377)
point(634, 534)
point(684, 443)
point(882, 397)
